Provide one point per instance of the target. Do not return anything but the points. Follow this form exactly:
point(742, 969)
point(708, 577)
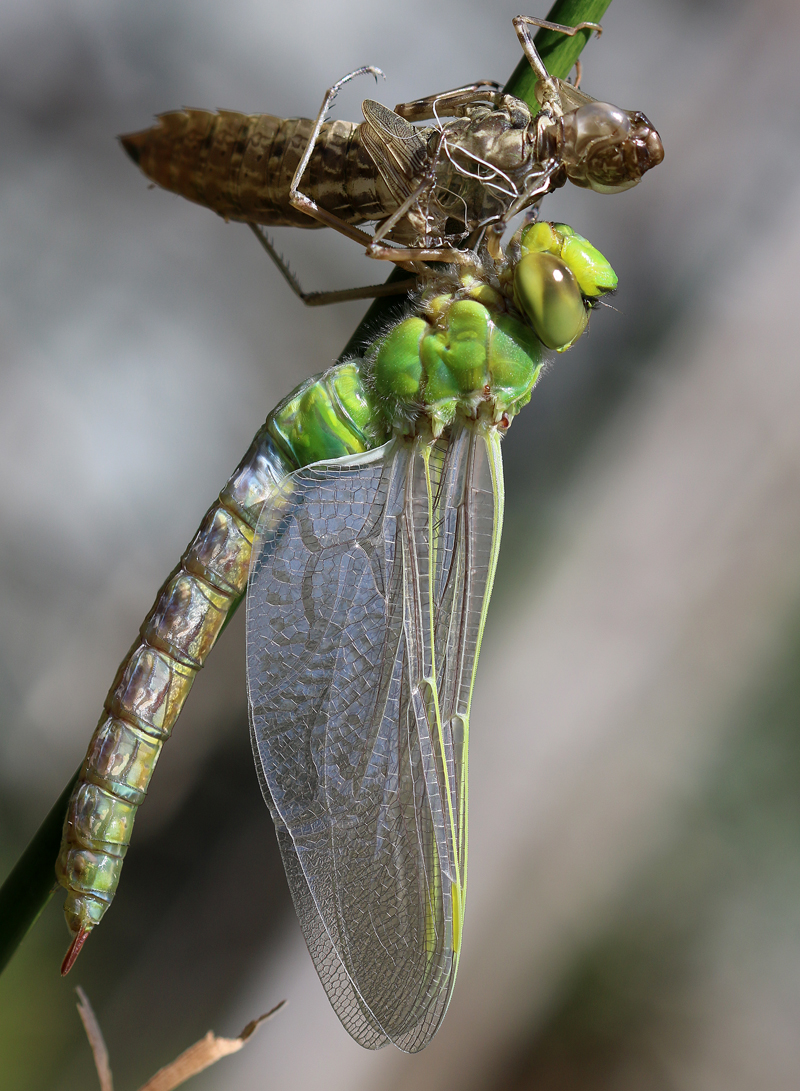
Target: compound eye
point(548, 294)
point(599, 148)
point(600, 121)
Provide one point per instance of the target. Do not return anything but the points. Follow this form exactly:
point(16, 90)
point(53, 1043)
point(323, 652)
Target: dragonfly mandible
point(365, 522)
point(429, 189)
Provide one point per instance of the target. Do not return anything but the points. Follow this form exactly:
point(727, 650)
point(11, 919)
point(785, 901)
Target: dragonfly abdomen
point(328, 416)
point(242, 165)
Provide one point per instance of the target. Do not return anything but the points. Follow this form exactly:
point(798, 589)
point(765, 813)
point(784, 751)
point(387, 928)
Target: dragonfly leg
point(321, 299)
point(559, 28)
point(448, 103)
point(375, 248)
point(302, 201)
point(413, 255)
point(550, 98)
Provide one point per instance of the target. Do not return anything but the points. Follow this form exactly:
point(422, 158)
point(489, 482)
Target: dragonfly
point(365, 523)
point(429, 189)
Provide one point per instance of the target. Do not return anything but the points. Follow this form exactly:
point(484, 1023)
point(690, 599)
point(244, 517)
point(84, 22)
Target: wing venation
point(366, 602)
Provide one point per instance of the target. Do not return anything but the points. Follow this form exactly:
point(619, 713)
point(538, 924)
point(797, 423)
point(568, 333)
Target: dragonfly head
point(473, 345)
point(556, 277)
point(607, 149)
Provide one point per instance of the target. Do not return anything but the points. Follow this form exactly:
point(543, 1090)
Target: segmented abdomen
point(326, 417)
point(241, 165)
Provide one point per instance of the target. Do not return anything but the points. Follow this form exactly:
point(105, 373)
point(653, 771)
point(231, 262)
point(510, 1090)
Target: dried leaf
point(206, 1052)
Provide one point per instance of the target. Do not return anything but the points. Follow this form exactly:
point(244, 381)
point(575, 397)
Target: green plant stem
point(28, 888)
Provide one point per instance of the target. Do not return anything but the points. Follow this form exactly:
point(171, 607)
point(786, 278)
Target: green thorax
point(473, 347)
point(466, 350)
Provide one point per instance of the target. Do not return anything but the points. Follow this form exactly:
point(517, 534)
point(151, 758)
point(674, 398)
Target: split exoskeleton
point(429, 190)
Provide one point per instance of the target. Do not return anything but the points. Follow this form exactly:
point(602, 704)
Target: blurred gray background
point(634, 919)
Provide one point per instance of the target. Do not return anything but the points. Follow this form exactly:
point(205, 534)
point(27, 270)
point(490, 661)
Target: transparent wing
point(396, 148)
point(366, 604)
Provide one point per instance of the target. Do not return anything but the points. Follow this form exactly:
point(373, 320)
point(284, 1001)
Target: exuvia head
point(607, 149)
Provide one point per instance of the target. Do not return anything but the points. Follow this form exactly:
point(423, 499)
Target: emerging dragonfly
point(368, 513)
point(428, 189)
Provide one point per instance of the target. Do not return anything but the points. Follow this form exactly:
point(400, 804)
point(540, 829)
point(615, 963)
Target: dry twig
point(206, 1052)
